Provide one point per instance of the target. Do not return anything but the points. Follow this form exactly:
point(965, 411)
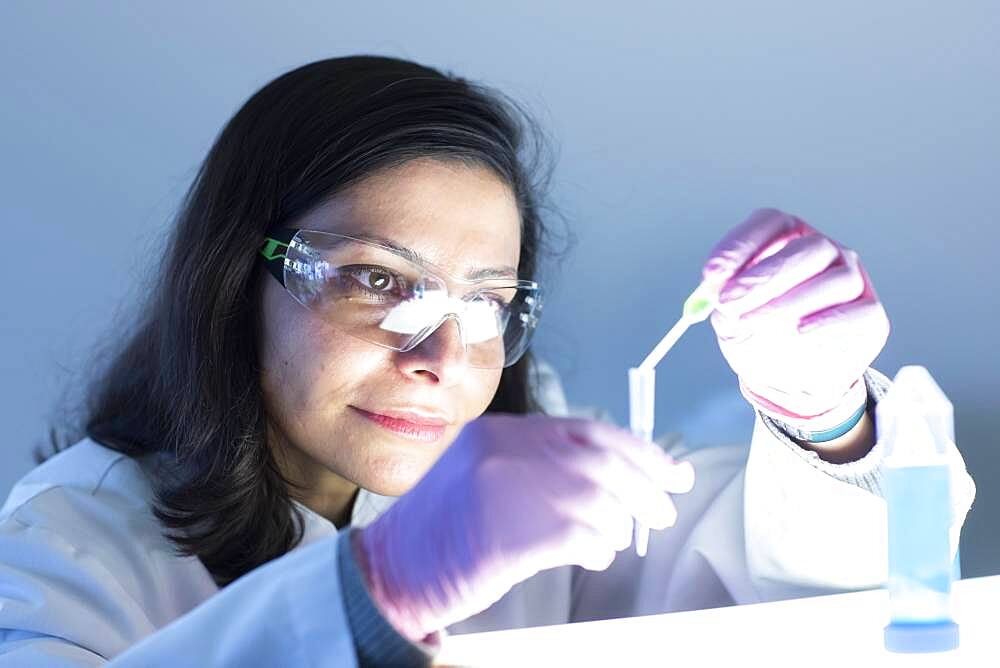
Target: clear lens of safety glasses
point(372, 292)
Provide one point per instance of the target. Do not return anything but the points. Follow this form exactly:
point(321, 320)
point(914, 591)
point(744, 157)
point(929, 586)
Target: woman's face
point(324, 389)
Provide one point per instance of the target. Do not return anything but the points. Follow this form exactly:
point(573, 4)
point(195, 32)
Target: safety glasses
point(375, 293)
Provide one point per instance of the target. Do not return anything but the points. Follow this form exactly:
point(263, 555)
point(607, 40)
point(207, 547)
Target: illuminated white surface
point(822, 630)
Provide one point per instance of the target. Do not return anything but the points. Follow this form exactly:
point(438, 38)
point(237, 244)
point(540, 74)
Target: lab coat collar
point(367, 506)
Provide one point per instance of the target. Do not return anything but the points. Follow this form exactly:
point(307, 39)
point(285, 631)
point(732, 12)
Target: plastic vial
point(914, 422)
point(641, 402)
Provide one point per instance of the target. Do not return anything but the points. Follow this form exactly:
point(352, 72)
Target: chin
point(395, 476)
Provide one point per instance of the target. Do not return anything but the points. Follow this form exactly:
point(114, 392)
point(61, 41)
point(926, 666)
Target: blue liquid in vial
point(920, 565)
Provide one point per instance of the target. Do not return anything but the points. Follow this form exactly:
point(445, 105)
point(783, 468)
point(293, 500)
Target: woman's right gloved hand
point(512, 496)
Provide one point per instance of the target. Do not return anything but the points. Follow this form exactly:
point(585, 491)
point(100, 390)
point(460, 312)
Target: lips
point(414, 425)
point(418, 418)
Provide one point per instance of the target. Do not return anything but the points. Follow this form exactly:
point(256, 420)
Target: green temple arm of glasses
point(274, 248)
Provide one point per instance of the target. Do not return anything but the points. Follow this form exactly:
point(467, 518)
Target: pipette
point(642, 379)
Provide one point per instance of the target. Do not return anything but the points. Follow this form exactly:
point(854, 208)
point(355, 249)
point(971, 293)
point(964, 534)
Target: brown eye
point(379, 281)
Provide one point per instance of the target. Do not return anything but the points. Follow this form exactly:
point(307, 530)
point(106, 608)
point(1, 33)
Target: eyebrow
point(413, 256)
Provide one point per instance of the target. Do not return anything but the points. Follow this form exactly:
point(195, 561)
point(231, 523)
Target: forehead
point(461, 218)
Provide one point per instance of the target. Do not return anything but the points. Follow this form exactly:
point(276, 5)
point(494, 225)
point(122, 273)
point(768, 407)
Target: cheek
point(479, 389)
point(306, 365)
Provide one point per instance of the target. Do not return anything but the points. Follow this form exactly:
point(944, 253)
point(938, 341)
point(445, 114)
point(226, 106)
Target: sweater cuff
point(866, 472)
point(376, 641)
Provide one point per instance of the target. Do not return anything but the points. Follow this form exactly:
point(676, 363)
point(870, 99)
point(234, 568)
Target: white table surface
point(840, 629)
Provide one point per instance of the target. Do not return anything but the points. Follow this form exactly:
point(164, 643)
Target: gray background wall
point(875, 121)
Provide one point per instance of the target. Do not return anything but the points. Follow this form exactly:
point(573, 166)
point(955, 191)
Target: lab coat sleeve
point(766, 523)
point(66, 605)
point(377, 642)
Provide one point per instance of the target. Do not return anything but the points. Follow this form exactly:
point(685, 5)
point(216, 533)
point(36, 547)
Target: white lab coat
point(87, 578)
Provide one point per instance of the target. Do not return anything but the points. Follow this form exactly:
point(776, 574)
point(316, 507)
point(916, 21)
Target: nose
point(439, 359)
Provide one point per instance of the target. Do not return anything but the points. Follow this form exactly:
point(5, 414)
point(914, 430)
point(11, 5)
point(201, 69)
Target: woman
point(342, 318)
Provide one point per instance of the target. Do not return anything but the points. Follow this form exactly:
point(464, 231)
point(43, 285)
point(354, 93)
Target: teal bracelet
point(827, 434)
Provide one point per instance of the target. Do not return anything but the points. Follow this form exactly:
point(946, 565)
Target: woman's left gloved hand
point(798, 319)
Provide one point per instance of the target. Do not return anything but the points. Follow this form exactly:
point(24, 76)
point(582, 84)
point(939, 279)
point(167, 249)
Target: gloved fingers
point(637, 494)
point(866, 311)
point(827, 355)
point(645, 457)
point(804, 403)
point(606, 484)
point(764, 232)
point(730, 329)
point(856, 332)
point(567, 541)
point(587, 547)
point(862, 319)
point(599, 508)
point(800, 260)
point(572, 517)
point(840, 283)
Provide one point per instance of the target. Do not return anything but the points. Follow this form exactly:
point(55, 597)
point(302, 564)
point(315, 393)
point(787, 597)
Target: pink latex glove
point(798, 319)
point(512, 496)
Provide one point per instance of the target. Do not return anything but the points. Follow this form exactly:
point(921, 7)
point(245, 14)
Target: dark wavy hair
point(183, 388)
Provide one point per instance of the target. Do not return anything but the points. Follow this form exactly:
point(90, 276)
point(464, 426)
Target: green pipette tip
point(701, 303)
